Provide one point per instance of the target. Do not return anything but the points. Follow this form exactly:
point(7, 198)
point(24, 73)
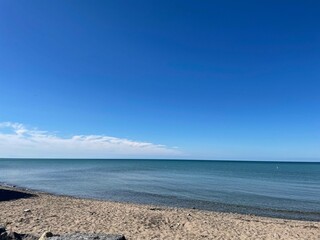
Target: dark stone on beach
point(11, 236)
point(3, 236)
point(7, 195)
point(86, 236)
point(46, 235)
point(2, 229)
point(28, 237)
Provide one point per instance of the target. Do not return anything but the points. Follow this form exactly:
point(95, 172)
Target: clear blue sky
point(216, 79)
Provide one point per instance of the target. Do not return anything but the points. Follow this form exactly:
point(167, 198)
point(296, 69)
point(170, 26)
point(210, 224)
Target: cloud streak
point(16, 140)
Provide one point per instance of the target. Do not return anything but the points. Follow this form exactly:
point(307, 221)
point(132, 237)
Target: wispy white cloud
point(16, 140)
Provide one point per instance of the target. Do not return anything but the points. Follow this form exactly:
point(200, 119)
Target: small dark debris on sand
point(9, 235)
point(156, 209)
point(81, 236)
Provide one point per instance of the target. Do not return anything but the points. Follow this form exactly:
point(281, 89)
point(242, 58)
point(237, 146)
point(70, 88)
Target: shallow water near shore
point(276, 189)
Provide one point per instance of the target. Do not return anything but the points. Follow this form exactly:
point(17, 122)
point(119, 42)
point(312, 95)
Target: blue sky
point(193, 79)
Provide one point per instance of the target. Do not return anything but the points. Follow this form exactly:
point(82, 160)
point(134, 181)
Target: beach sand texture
point(61, 214)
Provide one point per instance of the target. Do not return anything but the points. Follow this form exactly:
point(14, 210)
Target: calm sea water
point(277, 189)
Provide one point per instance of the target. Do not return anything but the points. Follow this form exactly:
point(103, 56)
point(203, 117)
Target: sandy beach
point(61, 214)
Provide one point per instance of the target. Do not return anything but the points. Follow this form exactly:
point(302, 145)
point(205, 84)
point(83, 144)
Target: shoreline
point(231, 209)
point(66, 214)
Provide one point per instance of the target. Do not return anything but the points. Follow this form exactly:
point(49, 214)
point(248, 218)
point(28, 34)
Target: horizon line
point(168, 159)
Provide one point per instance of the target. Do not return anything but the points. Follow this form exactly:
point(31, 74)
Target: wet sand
point(61, 214)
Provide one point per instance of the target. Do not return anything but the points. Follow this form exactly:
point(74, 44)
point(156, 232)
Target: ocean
point(275, 189)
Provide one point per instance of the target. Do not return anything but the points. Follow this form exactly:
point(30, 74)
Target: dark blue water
point(289, 190)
